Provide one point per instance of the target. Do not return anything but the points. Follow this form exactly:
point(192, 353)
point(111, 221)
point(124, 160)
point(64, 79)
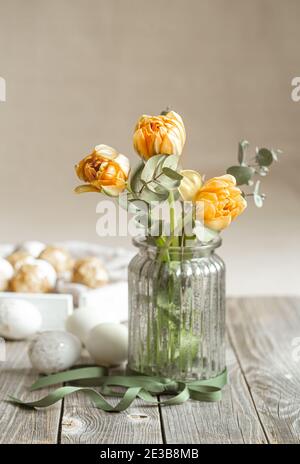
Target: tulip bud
point(190, 184)
point(163, 134)
point(104, 170)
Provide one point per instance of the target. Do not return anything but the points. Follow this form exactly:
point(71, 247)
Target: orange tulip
point(104, 170)
point(220, 202)
point(163, 134)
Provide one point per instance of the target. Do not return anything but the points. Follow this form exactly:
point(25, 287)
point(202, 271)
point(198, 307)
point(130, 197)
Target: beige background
point(80, 72)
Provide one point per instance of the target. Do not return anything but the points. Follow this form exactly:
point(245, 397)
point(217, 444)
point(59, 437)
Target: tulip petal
point(218, 223)
point(106, 151)
point(190, 184)
point(228, 178)
point(139, 144)
point(124, 163)
point(86, 188)
point(113, 190)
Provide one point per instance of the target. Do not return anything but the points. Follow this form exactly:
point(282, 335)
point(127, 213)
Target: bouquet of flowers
point(197, 209)
point(176, 283)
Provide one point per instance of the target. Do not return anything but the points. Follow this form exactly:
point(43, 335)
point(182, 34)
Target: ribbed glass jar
point(177, 311)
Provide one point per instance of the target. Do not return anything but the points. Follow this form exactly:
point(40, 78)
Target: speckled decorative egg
point(54, 351)
point(18, 258)
point(33, 247)
point(6, 273)
point(37, 277)
point(19, 319)
point(90, 272)
point(107, 344)
point(59, 258)
point(46, 270)
point(84, 319)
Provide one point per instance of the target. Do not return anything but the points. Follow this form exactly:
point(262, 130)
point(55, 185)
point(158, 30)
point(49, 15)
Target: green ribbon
point(137, 386)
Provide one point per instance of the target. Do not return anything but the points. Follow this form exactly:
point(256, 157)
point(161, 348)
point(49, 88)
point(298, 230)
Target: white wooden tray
point(54, 307)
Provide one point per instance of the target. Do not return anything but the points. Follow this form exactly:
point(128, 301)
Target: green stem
point(174, 240)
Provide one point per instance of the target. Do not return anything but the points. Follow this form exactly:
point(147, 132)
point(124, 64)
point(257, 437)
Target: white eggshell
point(84, 319)
point(47, 270)
point(19, 319)
point(6, 273)
point(33, 247)
point(107, 344)
point(54, 351)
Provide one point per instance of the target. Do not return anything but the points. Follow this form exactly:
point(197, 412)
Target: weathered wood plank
point(232, 420)
point(262, 331)
point(21, 425)
point(83, 423)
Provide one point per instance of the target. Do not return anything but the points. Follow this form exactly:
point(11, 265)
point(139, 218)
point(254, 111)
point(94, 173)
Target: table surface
point(261, 404)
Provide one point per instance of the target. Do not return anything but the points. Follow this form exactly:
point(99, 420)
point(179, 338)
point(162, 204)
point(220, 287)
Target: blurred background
point(79, 73)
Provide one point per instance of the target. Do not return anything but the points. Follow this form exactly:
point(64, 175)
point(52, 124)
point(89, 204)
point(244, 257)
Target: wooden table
point(261, 404)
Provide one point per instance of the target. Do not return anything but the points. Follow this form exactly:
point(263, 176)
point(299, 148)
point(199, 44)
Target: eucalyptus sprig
point(258, 165)
point(155, 180)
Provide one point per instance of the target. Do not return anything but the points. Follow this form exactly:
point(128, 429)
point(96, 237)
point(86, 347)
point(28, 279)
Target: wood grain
point(83, 423)
point(262, 331)
point(22, 425)
point(261, 403)
point(232, 420)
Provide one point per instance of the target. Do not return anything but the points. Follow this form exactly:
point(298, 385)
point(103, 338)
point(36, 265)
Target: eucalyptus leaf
point(258, 200)
point(142, 220)
point(137, 205)
point(152, 167)
point(278, 152)
point(264, 157)
point(124, 200)
point(257, 186)
point(135, 182)
point(172, 162)
point(172, 174)
point(263, 170)
point(275, 154)
point(157, 187)
point(167, 183)
point(241, 153)
point(148, 196)
point(242, 174)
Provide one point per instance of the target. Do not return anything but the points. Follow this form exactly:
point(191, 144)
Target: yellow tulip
point(190, 184)
point(163, 134)
point(104, 170)
point(219, 201)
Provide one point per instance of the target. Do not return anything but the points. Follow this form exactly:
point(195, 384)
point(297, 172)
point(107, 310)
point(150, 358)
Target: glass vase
point(177, 311)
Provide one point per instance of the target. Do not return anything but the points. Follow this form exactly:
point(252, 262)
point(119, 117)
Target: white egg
point(107, 344)
point(84, 319)
point(47, 270)
point(6, 273)
point(19, 319)
point(54, 351)
point(33, 247)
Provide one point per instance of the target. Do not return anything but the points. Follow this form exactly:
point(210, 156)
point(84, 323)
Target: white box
point(54, 307)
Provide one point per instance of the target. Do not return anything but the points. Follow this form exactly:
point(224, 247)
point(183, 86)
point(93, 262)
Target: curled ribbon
point(137, 386)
